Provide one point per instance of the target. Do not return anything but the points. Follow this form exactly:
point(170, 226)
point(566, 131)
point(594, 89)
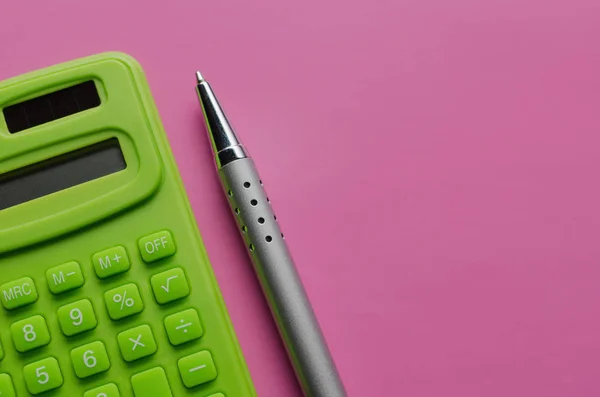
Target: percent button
point(123, 301)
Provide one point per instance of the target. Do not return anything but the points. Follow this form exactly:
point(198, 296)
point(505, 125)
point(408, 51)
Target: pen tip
point(199, 77)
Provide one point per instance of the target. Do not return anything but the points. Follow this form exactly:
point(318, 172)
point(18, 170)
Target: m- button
point(18, 293)
point(157, 246)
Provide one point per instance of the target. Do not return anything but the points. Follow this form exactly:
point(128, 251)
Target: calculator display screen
point(60, 173)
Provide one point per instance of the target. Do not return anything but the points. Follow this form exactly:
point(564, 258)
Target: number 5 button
point(77, 317)
point(42, 375)
point(170, 285)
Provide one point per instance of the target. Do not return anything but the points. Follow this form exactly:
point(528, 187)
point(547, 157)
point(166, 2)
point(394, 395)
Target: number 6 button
point(42, 375)
point(77, 317)
point(90, 359)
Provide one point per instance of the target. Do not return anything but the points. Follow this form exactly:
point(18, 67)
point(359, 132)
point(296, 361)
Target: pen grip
point(280, 281)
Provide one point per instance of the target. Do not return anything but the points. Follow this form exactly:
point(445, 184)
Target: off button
point(157, 246)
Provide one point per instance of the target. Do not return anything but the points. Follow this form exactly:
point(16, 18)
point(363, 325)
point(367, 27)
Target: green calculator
point(105, 286)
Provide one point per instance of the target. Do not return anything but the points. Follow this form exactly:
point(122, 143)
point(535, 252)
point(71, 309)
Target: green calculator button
point(123, 301)
point(90, 359)
point(217, 395)
point(30, 333)
point(109, 390)
point(157, 246)
point(64, 277)
point(7, 388)
point(170, 285)
point(111, 261)
point(77, 317)
point(197, 369)
point(152, 382)
point(18, 293)
point(42, 375)
point(136, 343)
point(183, 327)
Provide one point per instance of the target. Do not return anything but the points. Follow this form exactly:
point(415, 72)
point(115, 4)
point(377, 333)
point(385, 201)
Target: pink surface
point(434, 165)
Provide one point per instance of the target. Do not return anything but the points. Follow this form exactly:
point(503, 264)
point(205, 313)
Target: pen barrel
point(280, 281)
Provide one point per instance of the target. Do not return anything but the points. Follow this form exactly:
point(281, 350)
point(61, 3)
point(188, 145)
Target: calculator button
point(77, 317)
point(157, 246)
point(111, 261)
point(183, 327)
point(42, 375)
point(7, 388)
point(30, 333)
point(109, 390)
point(123, 301)
point(64, 277)
point(217, 395)
point(90, 359)
point(136, 343)
point(152, 382)
point(170, 285)
point(18, 293)
point(197, 369)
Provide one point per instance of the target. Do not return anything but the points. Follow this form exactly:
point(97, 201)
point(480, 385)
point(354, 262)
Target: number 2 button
point(77, 317)
point(42, 375)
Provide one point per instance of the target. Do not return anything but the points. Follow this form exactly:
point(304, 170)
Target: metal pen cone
point(226, 145)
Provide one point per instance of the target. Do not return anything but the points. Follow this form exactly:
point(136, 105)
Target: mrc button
point(157, 246)
point(18, 293)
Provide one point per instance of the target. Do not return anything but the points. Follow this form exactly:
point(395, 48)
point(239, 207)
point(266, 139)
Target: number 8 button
point(30, 333)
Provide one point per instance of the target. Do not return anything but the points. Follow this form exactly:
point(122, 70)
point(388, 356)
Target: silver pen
point(285, 294)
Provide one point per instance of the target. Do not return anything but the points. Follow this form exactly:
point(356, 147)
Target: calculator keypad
point(90, 359)
point(77, 317)
point(64, 278)
point(109, 390)
point(18, 293)
point(30, 333)
point(111, 262)
point(170, 285)
point(152, 382)
point(43, 375)
point(157, 246)
point(197, 369)
point(123, 301)
point(6, 386)
point(183, 327)
point(137, 343)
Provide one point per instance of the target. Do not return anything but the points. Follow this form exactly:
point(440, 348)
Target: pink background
point(434, 165)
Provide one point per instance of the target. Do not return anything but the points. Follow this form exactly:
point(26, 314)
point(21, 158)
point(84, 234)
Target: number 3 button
point(77, 317)
point(42, 375)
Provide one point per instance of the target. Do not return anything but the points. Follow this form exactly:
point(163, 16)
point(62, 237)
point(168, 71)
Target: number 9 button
point(77, 317)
